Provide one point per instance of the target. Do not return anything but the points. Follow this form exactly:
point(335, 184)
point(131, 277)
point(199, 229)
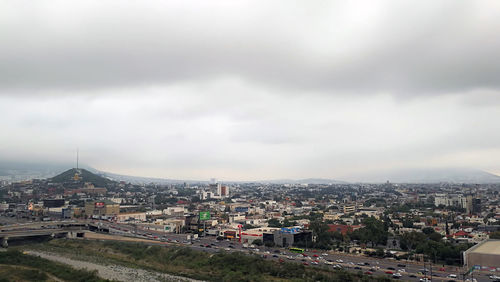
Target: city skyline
point(249, 91)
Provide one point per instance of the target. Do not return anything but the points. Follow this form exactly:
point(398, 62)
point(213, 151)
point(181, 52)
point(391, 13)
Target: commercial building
point(287, 237)
point(131, 216)
point(485, 255)
point(101, 208)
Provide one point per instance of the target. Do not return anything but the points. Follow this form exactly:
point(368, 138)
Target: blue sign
point(291, 230)
point(241, 209)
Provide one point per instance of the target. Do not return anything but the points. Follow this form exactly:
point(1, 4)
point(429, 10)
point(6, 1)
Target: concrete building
point(131, 216)
point(287, 237)
point(454, 200)
point(101, 208)
point(485, 255)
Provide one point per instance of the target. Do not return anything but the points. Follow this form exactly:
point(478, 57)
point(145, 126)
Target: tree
point(258, 242)
point(269, 244)
point(495, 235)
point(428, 230)
point(273, 222)
point(373, 232)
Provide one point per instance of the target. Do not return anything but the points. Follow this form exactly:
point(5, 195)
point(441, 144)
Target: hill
point(85, 175)
point(450, 175)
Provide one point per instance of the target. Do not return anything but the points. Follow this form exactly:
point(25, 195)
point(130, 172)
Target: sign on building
point(204, 215)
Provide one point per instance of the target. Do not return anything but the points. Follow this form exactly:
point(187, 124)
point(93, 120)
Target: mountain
point(142, 179)
point(423, 175)
point(18, 171)
point(85, 175)
point(318, 181)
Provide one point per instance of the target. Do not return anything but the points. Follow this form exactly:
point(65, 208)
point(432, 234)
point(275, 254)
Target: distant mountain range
point(303, 181)
point(434, 175)
point(23, 171)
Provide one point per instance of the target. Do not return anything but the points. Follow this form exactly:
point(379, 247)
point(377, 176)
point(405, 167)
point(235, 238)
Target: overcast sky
point(246, 90)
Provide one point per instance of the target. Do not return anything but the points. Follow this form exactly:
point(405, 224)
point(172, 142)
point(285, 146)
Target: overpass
point(45, 230)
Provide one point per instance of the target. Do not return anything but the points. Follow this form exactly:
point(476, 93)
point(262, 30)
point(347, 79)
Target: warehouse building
point(485, 255)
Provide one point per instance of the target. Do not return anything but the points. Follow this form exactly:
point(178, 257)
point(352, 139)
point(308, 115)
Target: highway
point(409, 271)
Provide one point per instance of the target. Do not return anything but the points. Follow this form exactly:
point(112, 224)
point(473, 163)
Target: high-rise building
point(476, 206)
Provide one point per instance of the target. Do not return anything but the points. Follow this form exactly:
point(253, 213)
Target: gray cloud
point(409, 48)
point(246, 90)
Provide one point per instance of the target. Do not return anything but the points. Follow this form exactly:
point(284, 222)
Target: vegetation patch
point(221, 266)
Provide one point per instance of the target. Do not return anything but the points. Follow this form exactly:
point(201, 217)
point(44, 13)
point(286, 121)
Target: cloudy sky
point(246, 90)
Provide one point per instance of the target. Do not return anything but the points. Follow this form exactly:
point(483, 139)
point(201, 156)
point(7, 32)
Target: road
point(350, 262)
point(409, 270)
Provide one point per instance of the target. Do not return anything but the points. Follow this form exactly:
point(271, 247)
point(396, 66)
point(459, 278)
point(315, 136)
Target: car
point(324, 254)
point(231, 246)
point(227, 249)
point(339, 260)
point(315, 262)
point(424, 270)
point(281, 260)
point(494, 277)
point(275, 256)
point(401, 265)
point(277, 251)
point(389, 272)
point(304, 255)
point(391, 268)
point(425, 280)
point(315, 255)
point(402, 270)
point(413, 276)
point(329, 262)
point(397, 275)
point(360, 263)
point(366, 263)
point(337, 266)
point(305, 263)
point(357, 267)
point(267, 252)
point(368, 272)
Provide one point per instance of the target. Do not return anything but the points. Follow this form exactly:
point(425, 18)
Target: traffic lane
point(382, 263)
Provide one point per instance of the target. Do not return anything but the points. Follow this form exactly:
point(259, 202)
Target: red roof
point(461, 233)
point(343, 229)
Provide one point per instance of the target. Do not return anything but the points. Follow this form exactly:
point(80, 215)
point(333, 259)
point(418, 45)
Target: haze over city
point(244, 91)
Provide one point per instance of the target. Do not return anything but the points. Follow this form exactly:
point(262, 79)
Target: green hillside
point(85, 175)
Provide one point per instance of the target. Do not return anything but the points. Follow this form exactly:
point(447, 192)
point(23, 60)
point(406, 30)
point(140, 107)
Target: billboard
point(204, 215)
point(241, 209)
point(291, 230)
point(99, 205)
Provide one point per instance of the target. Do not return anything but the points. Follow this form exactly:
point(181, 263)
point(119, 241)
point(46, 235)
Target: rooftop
point(491, 247)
